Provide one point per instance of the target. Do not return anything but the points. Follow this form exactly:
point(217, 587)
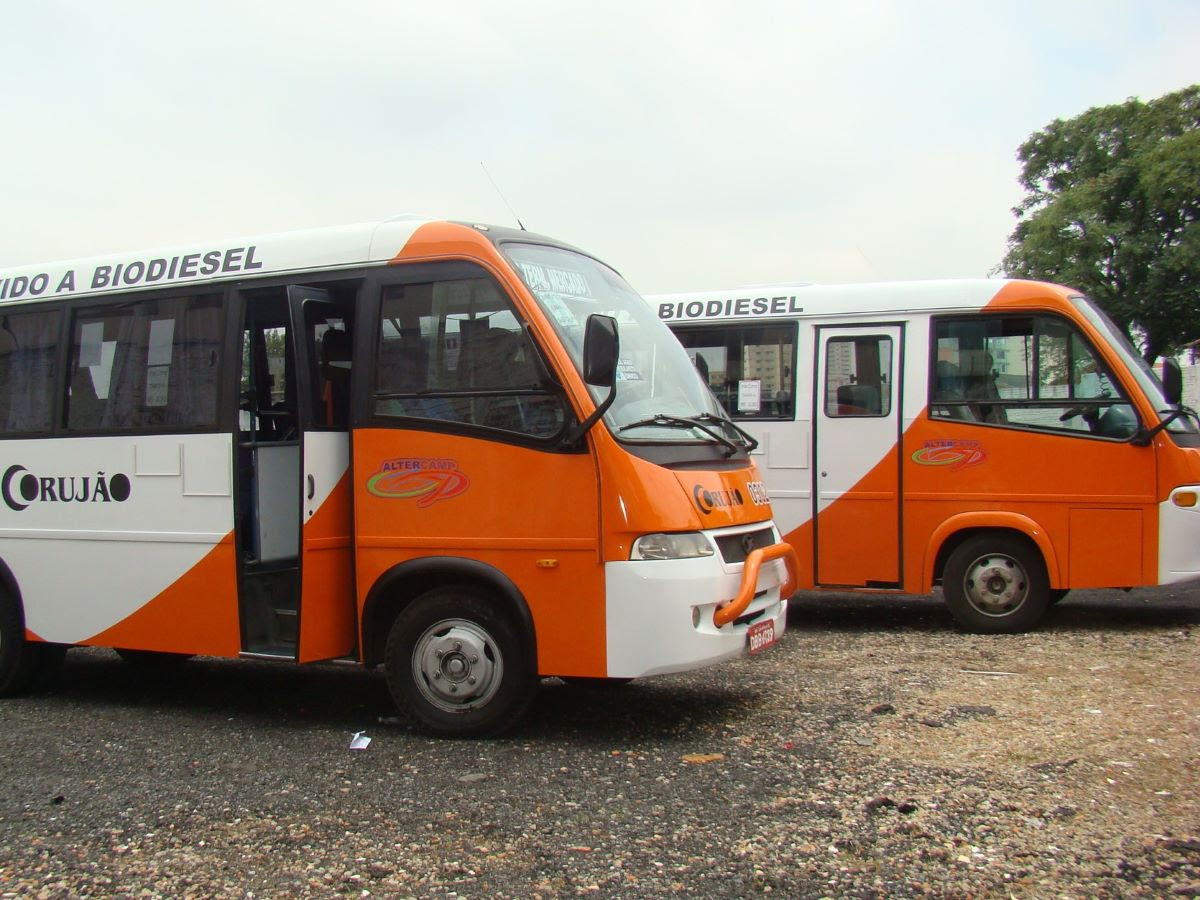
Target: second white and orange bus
point(471, 455)
point(1000, 438)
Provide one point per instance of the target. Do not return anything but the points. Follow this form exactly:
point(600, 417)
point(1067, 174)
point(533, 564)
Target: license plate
point(760, 636)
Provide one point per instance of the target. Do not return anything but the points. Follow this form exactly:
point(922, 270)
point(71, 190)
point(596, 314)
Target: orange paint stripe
point(198, 613)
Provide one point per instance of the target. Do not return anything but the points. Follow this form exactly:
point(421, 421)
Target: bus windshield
point(1145, 376)
point(660, 395)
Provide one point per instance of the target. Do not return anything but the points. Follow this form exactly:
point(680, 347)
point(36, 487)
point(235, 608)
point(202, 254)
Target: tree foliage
point(1112, 202)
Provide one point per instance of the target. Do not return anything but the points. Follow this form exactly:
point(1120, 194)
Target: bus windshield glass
point(660, 395)
point(1145, 376)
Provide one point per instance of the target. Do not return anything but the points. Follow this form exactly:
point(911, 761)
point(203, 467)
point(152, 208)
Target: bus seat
point(1117, 422)
point(948, 388)
point(979, 383)
point(974, 363)
point(335, 372)
point(496, 360)
point(947, 383)
point(858, 400)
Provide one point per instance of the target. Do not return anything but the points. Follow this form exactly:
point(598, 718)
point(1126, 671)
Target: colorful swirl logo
point(953, 455)
point(426, 481)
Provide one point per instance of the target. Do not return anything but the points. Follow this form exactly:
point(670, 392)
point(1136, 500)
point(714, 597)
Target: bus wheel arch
point(402, 584)
point(994, 581)
point(957, 529)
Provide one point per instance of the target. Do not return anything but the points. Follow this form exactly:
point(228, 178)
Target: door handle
point(312, 487)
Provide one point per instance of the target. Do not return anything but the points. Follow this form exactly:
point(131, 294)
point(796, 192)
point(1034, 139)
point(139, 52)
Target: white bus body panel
point(318, 250)
point(1178, 538)
point(142, 511)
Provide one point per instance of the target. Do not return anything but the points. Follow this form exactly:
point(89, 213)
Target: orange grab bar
point(727, 612)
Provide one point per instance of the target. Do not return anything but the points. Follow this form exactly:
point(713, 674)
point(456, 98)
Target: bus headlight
point(671, 546)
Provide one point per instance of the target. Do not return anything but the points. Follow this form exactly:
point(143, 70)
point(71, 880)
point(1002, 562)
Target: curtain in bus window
point(27, 350)
point(152, 364)
point(192, 369)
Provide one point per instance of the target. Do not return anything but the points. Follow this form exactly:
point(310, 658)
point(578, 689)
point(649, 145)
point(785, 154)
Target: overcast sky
point(692, 145)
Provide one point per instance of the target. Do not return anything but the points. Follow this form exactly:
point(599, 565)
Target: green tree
point(1112, 202)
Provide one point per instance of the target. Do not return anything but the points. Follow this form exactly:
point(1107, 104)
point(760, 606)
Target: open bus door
point(857, 448)
point(323, 349)
point(294, 523)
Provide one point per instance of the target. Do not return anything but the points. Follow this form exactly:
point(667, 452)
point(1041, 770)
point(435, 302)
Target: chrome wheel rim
point(996, 585)
point(457, 665)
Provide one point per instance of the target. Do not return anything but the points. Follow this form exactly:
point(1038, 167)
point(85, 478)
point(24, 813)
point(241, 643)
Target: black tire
point(22, 662)
point(996, 584)
point(152, 658)
point(1057, 594)
point(456, 663)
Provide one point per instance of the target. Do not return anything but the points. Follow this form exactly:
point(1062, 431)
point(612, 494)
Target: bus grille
point(736, 547)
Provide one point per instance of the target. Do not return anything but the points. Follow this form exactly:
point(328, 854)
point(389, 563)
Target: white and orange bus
point(1001, 438)
point(472, 455)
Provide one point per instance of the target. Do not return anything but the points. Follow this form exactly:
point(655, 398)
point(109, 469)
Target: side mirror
point(600, 349)
point(1172, 379)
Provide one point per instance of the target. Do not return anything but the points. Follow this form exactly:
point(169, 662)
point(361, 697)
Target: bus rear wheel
point(23, 662)
point(995, 584)
point(455, 662)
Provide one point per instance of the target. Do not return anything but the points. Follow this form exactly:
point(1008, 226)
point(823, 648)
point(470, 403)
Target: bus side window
point(149, 364)
point(1025, 371)
point(455, 351)
point(858, 374)
point(728, 355)
point(27, 348)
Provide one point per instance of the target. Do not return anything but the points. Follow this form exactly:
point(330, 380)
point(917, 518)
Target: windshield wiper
point(681, 422)
point(751, 443)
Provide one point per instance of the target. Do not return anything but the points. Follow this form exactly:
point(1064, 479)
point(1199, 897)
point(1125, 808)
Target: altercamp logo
point(952, 455)
point(424, 480)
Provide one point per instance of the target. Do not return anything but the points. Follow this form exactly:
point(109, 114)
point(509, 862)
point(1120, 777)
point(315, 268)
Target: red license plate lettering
point(760, 636)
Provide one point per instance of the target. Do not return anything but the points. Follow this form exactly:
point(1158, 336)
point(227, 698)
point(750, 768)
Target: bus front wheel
point(456, 663)
point(995, 584)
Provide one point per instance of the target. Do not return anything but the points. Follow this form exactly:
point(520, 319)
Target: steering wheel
point(1089, 413)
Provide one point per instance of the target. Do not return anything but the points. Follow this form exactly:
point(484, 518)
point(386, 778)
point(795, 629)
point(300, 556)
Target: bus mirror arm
point(1144, 436)
point(586, 425)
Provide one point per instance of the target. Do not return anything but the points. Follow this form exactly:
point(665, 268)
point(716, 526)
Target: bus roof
point(208, 261)
point(794, 300)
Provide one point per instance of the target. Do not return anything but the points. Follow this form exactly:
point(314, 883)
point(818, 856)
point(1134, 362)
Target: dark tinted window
point(28, 342)
point(455, 351)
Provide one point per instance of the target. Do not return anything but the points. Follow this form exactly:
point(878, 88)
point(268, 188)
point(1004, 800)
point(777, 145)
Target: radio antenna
point(501, 193)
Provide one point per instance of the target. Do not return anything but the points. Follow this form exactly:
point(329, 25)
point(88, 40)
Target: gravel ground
point(875, 751)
